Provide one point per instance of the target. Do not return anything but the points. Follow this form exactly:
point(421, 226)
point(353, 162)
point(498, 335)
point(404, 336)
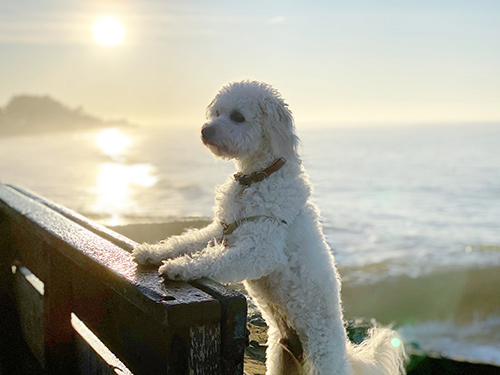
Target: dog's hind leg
point(280, 359)
point(285, 355)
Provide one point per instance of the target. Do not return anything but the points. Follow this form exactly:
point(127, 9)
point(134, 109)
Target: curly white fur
point(283, 258)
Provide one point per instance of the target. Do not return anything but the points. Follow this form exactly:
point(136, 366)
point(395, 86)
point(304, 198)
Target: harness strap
point(230, 228)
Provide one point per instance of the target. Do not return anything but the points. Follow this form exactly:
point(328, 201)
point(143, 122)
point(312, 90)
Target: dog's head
point(248, 119)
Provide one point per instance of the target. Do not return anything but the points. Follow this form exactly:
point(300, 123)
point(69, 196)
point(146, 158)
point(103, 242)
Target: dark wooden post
point(59, 334)
point(6, 259)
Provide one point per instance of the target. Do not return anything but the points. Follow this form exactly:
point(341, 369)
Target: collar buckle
point(248, 179)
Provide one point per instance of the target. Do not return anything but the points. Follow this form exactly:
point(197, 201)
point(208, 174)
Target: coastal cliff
point(39, 114)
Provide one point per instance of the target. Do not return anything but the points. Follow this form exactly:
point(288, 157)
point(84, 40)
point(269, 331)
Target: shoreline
point(460, 294)
point(154, 232)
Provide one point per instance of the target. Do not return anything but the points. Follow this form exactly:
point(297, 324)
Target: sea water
point(396, 202)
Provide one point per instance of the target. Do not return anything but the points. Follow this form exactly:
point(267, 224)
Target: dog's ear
point(279, 128)
point(209, 107)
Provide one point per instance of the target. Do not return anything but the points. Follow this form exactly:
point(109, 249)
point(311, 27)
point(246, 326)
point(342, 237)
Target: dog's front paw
point(179, 269)
point(147, 254)
point(170, 271)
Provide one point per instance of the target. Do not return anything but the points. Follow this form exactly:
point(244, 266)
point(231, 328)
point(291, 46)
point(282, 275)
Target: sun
point(108, 31)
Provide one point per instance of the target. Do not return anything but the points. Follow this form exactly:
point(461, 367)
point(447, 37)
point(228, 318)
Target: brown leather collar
point(249, 179)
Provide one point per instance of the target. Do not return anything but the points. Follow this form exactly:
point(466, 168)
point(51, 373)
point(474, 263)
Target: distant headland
point(26, 114)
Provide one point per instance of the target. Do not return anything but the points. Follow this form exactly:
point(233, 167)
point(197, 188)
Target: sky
point(335, 62)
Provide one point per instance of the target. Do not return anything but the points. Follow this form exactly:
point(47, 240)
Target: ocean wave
point(461, 294)
point(478, 341)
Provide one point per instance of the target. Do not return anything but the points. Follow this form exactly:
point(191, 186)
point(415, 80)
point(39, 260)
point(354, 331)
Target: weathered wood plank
point(29, 295)
point(39, 232)
point(139, 341)
point(93, 357)
point(6, 260)
point(203, 361)
point(59, 353)
point(98, 229)
point(15, 355)
point(233, 324)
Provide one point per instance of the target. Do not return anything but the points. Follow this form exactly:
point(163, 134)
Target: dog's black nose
point(208, 133)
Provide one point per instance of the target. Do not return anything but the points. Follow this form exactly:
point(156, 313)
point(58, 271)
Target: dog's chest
point(237, 202)
point(235, 207)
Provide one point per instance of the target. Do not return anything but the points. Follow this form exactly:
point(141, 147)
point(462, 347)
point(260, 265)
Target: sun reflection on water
point(113, 142)
point(118, 183)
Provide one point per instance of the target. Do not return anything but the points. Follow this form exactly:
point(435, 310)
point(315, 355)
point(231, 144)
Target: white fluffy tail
point(381, 353)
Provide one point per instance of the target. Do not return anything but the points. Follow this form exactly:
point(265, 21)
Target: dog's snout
point(208, 133)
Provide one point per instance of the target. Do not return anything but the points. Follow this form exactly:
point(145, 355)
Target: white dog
point(266, 232)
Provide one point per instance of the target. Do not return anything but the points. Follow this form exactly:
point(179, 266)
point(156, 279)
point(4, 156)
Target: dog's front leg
point(253, 250)
point(186, 243)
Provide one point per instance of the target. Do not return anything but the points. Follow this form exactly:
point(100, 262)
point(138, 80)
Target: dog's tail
point(381, 353)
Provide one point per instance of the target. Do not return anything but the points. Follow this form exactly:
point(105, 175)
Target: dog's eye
point(237, 117)
point(217, 114)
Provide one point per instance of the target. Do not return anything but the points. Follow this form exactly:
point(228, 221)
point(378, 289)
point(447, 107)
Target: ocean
point(412, 212)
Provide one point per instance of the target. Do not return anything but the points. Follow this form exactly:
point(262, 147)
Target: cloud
point(276, 20)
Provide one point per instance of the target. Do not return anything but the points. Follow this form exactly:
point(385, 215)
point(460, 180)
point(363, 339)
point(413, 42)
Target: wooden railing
point(84, 306)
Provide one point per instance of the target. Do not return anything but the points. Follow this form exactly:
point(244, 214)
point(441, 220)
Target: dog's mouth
point(217, 149)
point(209, 142)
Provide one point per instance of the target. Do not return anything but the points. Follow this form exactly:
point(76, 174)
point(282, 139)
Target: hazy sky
point(335, 62)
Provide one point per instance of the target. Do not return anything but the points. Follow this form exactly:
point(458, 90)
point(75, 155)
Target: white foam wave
point(478, 341)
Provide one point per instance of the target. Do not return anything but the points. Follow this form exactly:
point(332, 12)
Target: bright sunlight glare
point(117, 186)
point(113, 142)
point(108, 31)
